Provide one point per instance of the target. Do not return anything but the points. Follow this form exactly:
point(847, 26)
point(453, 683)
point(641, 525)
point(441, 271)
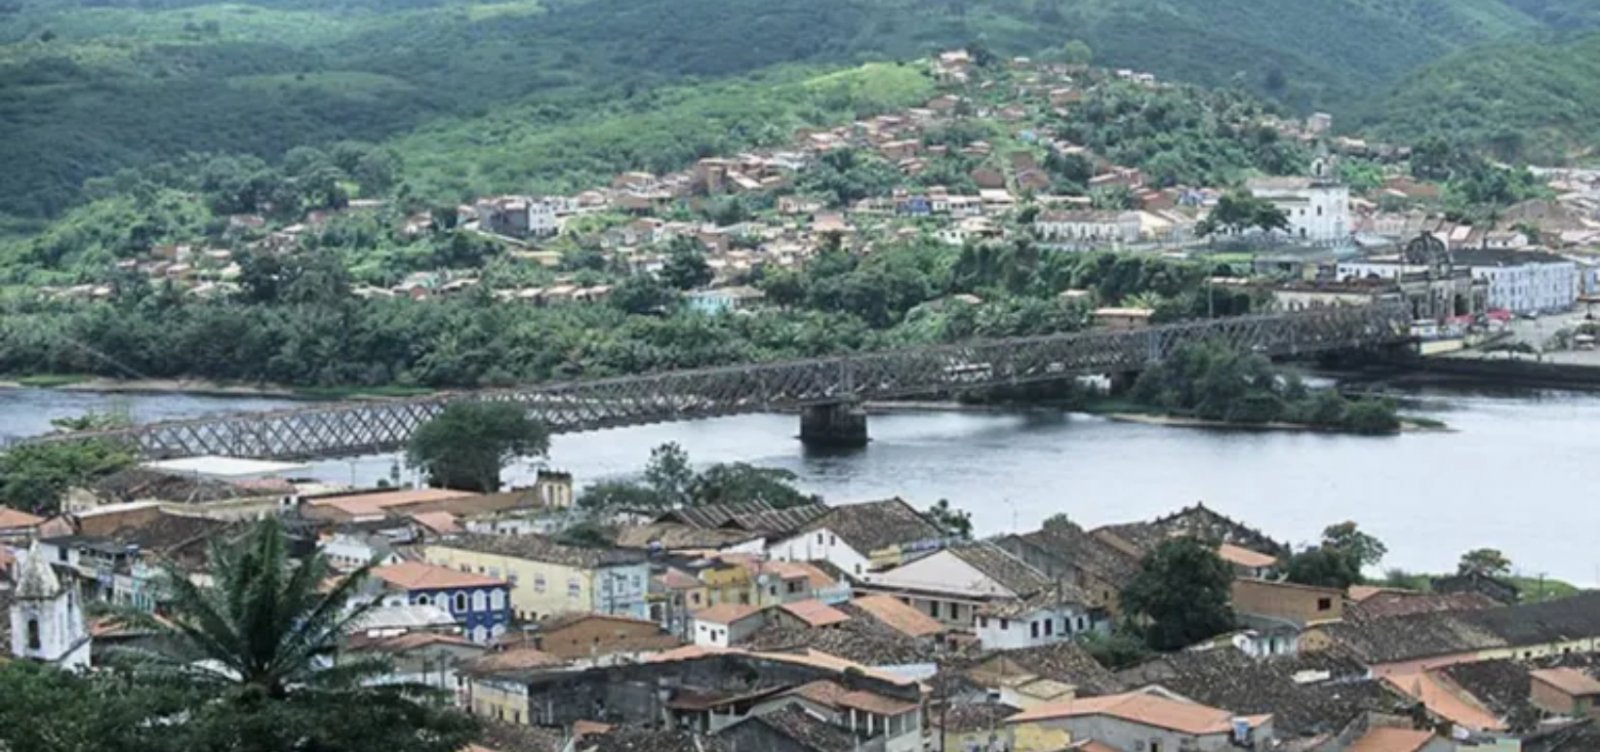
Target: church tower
point(47, 617)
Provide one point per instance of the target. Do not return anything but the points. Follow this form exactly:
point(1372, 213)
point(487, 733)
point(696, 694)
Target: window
point(1005, 624)
point(933, 609)
point(833, 540)
point(1033, 629)
point(694, 598)
point(461, 602)
point(423, 600)
point(538, 582)
point(1324, 604)
point(858, 569)
point(34, 643)
point(1083, 623)
point(744, 599)
point(983, 622)
point(497, 600)
point(574, 589)
point(819, 539)
point(61, 554)
point(1049, 627)
point(772, 590)
point(794, 587)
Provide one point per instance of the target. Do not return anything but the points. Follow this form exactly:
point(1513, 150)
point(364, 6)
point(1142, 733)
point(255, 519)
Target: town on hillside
point(1010, 150)
point(802, 625)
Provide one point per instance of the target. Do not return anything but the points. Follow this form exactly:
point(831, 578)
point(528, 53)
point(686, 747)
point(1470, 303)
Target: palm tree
point(256, 645)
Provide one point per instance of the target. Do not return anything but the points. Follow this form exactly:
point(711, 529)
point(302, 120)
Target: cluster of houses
point(859, 626)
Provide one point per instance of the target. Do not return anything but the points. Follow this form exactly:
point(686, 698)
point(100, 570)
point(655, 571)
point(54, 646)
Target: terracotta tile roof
point(675, 536)
point(415, 575)
point(726, 613)
point(834, 695)
point(815, 612)
point(1386, 739)
point(518, 659)
point(581, 729)
point(859, 639)
point(876, 525)
point(1145, 708)
point(639, 739)
point(1005, 569)
point(12, 518)
point(1064, 662)
point(374, 504)
point(677, 579)
point(778, 522)
point(713, 515)
point(962, 717)
point(818, 577)
point(1070, 545)
point(443, 523)
point(1244, 557)
point(1569, 680)
point(499, 736)
point(899, 616)
point(1446, 699)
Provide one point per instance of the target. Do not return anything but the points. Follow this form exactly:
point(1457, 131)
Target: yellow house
point(501, 699)
point(549, 578)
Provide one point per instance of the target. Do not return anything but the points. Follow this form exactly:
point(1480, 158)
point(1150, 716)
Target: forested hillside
point(1520, 101)
point(86, 88)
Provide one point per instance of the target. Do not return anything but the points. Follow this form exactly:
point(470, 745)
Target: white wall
point(1052, 624)
point(820, 545)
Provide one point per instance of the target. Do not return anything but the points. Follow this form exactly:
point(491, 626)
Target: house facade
point(548, 578)
point(1087, 227)
point(479, 603)
point(1317, 207)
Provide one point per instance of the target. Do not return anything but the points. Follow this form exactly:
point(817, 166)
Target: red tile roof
point(374, 504)
point(899, 616)
point(439, 522)
point(1385, 739)
point(1244, 557)
point(415, 575)
point(815, 613)
point(1568, 680)
point(12, 518)
point(726, 613)
point(1142, 707)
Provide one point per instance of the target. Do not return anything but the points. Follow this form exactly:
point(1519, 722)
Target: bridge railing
point(348, 429)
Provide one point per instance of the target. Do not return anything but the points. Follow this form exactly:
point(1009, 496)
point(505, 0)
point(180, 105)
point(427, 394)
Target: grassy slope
point(1544, 98)
point(124, 87)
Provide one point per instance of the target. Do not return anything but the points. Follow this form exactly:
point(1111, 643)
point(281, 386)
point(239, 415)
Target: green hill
point(1522, 101)
point(87, 88)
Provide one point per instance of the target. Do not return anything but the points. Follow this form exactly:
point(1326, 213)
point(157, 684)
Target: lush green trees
point(1180, 595)
point(1237, 212)
point(253, 644)
point(49, 710)
point(1484, 561)
point(1338, 562)
point(953, 521)
point(465, 446)
point(686, 267)
point(33, 477)
point(1214, 383)
point(670, 480)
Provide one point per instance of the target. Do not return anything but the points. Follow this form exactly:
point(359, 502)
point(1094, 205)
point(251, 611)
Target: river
point(1512, 475)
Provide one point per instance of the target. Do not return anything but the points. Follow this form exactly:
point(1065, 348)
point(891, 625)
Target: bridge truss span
point(372, 427)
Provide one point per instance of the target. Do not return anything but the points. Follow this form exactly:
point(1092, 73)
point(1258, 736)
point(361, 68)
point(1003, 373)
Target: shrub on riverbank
point(1213, 382)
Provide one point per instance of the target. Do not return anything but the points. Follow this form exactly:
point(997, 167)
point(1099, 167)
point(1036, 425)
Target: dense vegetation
point(300, 326)
point(478, 92)
point(1212, 382)
point(1518, 101)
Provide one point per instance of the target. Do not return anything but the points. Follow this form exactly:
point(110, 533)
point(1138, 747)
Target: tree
point(1058, 521)
point(1117, 650)
point(1372, 417)
point(33, 477)
point(1364, 548)
point(253, 645)
point(1180, 595)
point(643, 294)
point(622, 496)
point(467, 444)
point(1324, 567)
point(739, 481)
point(50, 710)
point(669, 473)
point(1484, 561)
point(1238, 211)
point(1076, 52)
point(956, 522)
point(685, 267)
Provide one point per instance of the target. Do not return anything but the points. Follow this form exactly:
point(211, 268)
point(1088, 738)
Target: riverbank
point(205, 388)
point(1407, 425)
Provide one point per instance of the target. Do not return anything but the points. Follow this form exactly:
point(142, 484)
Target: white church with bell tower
point(47, 621)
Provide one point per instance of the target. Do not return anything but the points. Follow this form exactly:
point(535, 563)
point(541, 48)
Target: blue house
point(480, 604)
point(913, 206)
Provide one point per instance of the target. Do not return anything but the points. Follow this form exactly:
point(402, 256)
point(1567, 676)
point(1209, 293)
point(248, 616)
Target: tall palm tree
point(256, 645)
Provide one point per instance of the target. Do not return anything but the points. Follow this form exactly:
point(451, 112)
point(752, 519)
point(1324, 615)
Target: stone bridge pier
point(834, 425)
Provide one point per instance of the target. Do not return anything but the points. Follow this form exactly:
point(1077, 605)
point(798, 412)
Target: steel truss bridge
point(375, 427)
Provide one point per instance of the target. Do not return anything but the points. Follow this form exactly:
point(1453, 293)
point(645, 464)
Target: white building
point(1524, 281)
point(47, 617)
point(1518, 281)
point(1318, 207)
point(1041, 620)
point(1081, 227)
point(725, 624)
